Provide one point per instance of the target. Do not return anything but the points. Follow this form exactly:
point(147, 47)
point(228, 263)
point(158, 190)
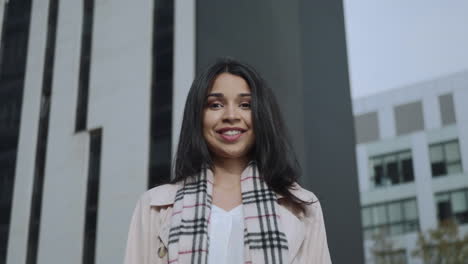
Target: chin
point(233, 154)
point(230, 151)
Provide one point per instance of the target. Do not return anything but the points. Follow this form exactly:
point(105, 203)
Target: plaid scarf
point(264, 242)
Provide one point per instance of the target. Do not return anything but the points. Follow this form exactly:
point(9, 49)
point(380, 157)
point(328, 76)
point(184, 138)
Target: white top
point(226, 231)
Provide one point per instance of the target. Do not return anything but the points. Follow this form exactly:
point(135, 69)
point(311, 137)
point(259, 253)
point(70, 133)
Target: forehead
point(229, 84)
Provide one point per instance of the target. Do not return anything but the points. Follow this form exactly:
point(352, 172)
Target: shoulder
point(303, 194)
point(313, 208)
point(162, 195)
point(155, 202)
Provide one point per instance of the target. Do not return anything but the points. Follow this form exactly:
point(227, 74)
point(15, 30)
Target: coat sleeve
point(137, 251)
point(315, 244)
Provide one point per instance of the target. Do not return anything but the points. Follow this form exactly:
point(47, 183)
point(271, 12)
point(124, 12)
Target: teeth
point(231, 132)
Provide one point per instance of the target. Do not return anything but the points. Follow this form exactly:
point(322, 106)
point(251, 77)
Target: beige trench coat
point(150, 224)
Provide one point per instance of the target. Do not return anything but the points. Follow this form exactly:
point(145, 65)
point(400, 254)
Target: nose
point(231, 114)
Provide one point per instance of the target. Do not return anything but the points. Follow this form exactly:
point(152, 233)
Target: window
point(409, 118)
point(447, 111)
point(367, 127)
point(161, 93)
point(390, 218)
point(453, 205)
point(445, 158)
point(92, 193)
point(391, 169)
point(85, 64)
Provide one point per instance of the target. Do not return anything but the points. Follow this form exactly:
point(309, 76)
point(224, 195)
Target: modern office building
point(412, 156)
point(91, 100)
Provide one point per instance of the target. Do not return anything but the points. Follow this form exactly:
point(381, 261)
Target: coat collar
point(164, 195)
point(293, 226)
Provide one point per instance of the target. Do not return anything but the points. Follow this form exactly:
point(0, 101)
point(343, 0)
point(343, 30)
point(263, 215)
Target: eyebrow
point(222, 95)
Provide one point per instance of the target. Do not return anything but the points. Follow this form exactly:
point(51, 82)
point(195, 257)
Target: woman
point(234, 197)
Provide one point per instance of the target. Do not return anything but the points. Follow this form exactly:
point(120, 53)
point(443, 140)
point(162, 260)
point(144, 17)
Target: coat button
point(162, 251)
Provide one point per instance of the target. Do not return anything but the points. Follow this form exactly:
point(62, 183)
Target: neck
point(227, 172)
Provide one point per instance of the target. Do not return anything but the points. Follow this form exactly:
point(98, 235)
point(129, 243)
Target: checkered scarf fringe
point(264, 241)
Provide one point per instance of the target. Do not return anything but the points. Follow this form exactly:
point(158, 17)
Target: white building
point(412, 155)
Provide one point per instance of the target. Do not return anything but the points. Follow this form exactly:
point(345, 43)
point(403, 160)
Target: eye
point(245, 105)
point(215, 105)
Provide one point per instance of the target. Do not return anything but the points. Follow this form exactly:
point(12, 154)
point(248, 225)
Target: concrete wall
point(119, 102)
point(64, 193)
point(119, 95)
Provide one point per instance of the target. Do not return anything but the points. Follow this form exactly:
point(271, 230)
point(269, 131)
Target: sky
point(393, 43)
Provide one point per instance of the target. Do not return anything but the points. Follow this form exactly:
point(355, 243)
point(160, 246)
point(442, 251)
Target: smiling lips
point(231, 134)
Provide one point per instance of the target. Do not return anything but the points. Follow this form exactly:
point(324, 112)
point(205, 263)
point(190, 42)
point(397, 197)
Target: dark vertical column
point(13, 51)
point(85, 62)
point(41, 147)
point(92, 195)
point(300, 49)
point(161, 93)
point(265, 34)
point(328, 124)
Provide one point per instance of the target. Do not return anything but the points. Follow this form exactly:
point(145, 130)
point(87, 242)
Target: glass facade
point(13, 50)
point(85, 62)
point(445, 158)
point(391, 218)
point(392, 169)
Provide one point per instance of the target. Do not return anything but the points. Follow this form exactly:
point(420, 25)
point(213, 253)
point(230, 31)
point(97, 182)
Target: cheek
point(209, 121)
point(206, 120)
point(248, 120)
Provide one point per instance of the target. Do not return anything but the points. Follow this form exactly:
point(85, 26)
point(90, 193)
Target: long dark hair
point(272, 151)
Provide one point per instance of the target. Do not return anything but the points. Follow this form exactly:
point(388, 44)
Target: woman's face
point(227, 117)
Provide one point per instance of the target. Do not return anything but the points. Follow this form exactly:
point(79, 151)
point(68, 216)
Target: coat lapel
point(165, 227)
point(163, 196)
point(293, 227)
